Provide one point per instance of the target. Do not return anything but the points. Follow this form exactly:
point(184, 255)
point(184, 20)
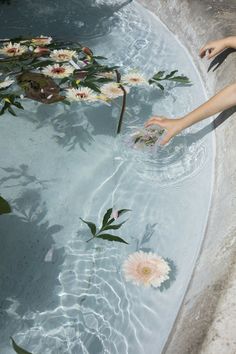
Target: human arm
point(211, 49)
point(223, 100)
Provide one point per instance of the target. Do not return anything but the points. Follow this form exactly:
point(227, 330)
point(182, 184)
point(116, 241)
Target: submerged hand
point(172, 126)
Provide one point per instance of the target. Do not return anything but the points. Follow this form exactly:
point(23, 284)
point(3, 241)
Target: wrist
point(230, 42)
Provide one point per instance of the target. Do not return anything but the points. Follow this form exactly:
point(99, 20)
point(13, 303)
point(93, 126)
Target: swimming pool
point(60, 164)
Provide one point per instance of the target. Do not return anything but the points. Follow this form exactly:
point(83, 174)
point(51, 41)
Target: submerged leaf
point(18, 349)
point(109, 237)
point(4, 206)
point(91, 225)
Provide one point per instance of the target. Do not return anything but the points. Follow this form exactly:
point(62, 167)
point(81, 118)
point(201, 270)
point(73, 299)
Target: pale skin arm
point(223, 100)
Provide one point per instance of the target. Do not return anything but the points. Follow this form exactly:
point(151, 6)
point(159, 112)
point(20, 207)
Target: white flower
point(6, 83)
point(146, 269)
point(112, 90)
point(13, 49)
point(62, 55)
point(134, 78)
point(80, 94)
point(42, 40)
point(58, 71)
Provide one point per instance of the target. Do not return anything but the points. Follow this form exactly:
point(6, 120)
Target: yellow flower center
point(146, 270)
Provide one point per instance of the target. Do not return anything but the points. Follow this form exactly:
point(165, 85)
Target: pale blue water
point(59, 164)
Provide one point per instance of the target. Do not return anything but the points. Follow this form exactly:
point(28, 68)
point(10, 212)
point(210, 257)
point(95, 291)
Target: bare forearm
point(231, 42)
point(223, 100)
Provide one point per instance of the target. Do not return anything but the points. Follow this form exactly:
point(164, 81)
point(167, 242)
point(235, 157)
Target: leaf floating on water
point(91, 225)
point(109, 237)
point(18, 349)
point(107, 222)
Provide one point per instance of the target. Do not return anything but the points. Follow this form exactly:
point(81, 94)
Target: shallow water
point(60, 294)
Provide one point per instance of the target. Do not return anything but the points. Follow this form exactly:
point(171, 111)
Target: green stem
point(118, 77)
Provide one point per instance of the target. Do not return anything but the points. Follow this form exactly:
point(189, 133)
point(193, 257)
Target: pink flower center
point(60, 70)
point(81, 95)
point(12, 50)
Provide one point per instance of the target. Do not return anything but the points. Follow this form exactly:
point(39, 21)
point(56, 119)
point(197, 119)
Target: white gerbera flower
point(13, 49)
point(6, 83)
point(62, 55)
point(42, 40)
point(58, 71)
point(112, 90)
point(146, 269)
point(134, 78)
point(81, 94)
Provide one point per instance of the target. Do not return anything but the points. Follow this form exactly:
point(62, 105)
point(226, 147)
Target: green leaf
point(99, 57)
point(18, 105)
point(91, 85)
point(113, 227)
point(106, 217)
point(91, 225)
point(109, 237)
point(181, 79)
point(158, 75)
point(161, 87)
point(4, 206)
point(10, 110)
point(18, 349)
point(170, 74)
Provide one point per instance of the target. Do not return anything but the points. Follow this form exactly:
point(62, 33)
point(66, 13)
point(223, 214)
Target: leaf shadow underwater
point(22, 175)
point(26, 278)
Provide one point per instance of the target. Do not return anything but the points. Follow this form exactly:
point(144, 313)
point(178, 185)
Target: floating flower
point(146, 269)
point(146, 137)
point(62, 55)
point(6, 83)
point(58, 71)
point(112, 90)
point(80, 94)
point(42, 40)
point(134, 78)
point(41, 50)
point(13, 49)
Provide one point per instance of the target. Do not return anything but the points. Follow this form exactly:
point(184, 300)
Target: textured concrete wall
point(205, 323)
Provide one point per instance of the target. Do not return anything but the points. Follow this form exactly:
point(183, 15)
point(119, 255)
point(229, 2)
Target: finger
point(165, 139)
point(212, 54)
point(154, 120)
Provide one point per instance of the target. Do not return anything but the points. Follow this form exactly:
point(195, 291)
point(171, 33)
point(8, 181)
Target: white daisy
point(146, 269)
point(134, 78)
point(6, 83)
point(58, 71)
point(80, 94)
point(112, 90)
point(42, 40)
point(13, 49)
point(62, 55)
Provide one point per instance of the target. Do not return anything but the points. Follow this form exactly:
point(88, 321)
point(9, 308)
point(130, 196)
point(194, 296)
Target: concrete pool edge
point(197, 327)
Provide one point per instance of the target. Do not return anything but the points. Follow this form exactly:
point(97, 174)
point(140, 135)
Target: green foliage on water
point(108, 223)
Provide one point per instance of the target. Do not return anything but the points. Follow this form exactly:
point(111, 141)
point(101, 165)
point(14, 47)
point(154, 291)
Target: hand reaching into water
point(215, 47)
point(172, 126)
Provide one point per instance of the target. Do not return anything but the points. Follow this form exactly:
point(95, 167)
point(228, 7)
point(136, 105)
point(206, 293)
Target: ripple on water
point(167, 164)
